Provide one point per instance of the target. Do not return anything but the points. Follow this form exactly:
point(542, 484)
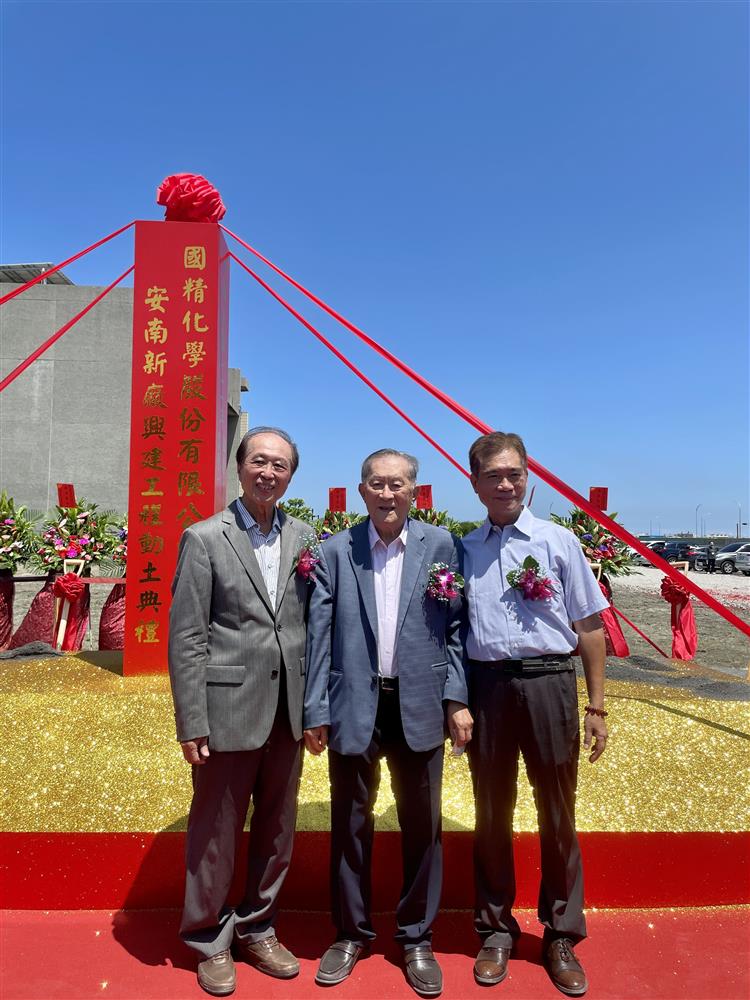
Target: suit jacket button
point(274, 674)
point(279, 627)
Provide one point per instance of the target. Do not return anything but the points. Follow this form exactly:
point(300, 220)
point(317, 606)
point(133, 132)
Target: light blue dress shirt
point(505, 625)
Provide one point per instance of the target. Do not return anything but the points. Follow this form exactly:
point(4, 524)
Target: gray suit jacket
point(227, 645)
point(342, 655)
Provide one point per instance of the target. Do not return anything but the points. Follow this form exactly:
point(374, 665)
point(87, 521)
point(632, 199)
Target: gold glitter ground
point(88, 750)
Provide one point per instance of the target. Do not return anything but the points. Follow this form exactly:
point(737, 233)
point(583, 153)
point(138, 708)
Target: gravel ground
point(723, 651)
point(721, 646)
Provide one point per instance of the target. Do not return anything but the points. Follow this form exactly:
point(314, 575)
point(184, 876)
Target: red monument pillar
point(178, 416)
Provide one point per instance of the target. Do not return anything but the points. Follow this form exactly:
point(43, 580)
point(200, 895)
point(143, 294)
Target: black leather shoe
point(491, 966)
point(563, 967)
point(338, 962)
point(422, 971)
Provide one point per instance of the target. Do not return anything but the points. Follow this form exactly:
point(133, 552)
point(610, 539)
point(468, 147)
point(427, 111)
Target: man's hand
point(460, 723)
point(316, 739)
point(594, 727)
point(195, 751)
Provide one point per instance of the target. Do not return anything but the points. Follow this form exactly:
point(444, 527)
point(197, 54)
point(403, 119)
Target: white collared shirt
point(387, 566)
point(267, 548)
point(504, 625)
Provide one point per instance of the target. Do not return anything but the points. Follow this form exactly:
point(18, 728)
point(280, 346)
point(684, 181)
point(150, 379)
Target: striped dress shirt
point(267, 548)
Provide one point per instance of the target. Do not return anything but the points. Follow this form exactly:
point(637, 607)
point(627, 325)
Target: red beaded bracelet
point(590, 710)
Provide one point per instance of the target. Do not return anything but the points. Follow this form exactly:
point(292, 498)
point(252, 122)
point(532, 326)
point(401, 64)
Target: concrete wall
point(67, 417)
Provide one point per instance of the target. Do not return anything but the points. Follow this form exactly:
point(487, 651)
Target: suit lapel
point(361, 560)
point(289, 542)
point(413, 560)
point(236, 535)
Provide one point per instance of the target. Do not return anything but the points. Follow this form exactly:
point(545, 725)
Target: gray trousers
point(538, 716)
point(222, 788)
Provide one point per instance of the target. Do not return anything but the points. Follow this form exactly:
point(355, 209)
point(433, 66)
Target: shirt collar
point(374, 537)
point(522, 524)
point(250, 521)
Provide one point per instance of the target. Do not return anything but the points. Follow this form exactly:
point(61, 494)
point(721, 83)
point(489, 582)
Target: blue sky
point(541, 207)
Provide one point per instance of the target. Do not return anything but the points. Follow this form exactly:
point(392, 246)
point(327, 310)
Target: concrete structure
point(67, 417)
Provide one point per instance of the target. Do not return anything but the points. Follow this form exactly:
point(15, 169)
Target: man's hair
point(490, 444)
point(410, 460)
point(254, 431)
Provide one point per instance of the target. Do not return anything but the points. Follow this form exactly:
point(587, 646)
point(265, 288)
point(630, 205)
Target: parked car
point(656, 546)
point(681, 552)
point(742, 560)
point(726, 558)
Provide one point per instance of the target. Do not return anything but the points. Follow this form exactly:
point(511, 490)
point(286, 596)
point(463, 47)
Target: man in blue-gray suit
point(384, 674)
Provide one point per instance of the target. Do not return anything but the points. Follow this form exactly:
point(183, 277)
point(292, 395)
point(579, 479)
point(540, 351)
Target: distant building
point(67, 417)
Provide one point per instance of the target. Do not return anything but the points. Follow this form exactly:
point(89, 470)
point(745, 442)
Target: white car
point(742, 561)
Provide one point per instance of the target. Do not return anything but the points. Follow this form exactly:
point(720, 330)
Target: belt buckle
point(387, 684)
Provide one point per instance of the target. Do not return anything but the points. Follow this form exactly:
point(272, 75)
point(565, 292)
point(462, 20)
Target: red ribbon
point(63, 329)
point(548, 477)
point(616, 642)
point(190, 198)
point(52, 270)
point(69, 587)
point(684, 631)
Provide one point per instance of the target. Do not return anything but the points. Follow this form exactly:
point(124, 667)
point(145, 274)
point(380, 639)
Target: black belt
point(530, 664)
point(389, 685)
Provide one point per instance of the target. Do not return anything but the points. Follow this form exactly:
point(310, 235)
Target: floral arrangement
point(76, 533)
point(116, 561)
point(297, 507)
point(308, 557)
point(530, 580)
point(441, 518)
point(334, 521)
point(443, 584)
point(17, 536)
point(598, 545)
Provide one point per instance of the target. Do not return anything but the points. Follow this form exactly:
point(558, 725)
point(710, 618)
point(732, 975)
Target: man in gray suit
point(236, 664)
point(385, 666)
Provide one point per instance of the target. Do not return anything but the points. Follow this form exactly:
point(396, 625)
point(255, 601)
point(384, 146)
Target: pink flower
point(306, 564)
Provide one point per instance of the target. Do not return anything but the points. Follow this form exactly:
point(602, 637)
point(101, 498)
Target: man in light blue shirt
point(532, 599)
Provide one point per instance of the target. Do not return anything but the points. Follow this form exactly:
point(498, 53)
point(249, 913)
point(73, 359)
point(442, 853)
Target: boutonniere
point(307, 557)
point(530, 580)
point(443, 584)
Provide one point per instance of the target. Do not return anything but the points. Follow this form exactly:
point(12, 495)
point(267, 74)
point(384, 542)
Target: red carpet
point(685, 954)
point(91, 871)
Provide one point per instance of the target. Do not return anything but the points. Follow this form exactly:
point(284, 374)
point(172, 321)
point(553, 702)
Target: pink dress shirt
point(387, 565)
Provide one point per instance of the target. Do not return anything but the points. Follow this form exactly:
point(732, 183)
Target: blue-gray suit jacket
point(341, 689)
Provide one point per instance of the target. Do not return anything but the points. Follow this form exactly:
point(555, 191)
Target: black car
point(681, 552)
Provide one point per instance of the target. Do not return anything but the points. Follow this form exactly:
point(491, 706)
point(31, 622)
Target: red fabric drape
point(112, 621)
point(39, 621)
point(71, 588)
point(684, 631)
point(7, 589)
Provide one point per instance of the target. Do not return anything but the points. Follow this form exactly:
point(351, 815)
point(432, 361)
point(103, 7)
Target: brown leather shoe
point(269, 956)
point(563, 967)
point(491, 966)
point(216, 974)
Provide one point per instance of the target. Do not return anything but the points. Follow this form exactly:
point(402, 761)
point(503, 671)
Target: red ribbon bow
point(69, 587)
point(190, 198)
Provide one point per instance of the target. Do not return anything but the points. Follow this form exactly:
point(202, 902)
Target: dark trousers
point(538, 716)
point(222, 789)
point(416, 779)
